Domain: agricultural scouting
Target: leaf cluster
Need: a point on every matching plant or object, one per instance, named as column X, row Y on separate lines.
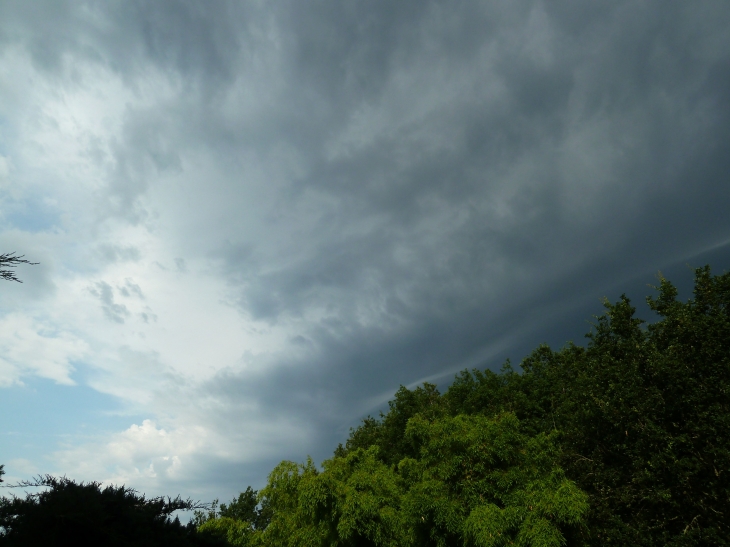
column 472, row 480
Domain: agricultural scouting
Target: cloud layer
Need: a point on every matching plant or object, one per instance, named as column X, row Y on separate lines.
column 255, row 221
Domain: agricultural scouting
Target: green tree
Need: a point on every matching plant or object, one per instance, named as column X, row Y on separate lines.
column 356, row 500
column 641, row 414
column 388, row 433
column 481, row 481
column 474, row 481
column 228, row 530
column 235, row 522
column 646, row 427
column 246, row 507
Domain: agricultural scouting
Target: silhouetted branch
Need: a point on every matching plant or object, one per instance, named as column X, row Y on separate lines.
column 165, row 505
column 9, row 261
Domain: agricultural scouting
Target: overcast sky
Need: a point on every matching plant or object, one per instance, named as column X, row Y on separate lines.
column 255, row 220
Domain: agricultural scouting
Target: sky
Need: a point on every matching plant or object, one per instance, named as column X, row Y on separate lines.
column 255, row 220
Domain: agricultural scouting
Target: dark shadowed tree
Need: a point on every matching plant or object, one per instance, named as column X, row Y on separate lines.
column 70, row 513
column 247, row 508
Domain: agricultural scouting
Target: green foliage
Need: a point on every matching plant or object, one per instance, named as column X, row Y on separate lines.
column 388, row 433
column 481, row 481
column 660, row 413
column 289, row 525
column 242, row 508
column 644, row 415
column 640, row 418
column 466, row 468
column 248, row 509
column 228, row 530
column 201, row 516
column 355, row 500
column 71, row 513
column 245, row 508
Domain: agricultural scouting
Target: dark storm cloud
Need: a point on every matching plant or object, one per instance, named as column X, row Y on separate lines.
column 471, row 177
column 521, row 161
column 498, row 165
column 188, row 37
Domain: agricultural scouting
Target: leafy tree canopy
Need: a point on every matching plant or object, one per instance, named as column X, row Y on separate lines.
column 474, row 480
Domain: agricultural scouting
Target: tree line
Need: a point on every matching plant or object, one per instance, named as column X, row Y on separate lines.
column 623, row 441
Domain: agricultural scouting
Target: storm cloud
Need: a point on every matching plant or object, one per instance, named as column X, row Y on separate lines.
column 292, row 208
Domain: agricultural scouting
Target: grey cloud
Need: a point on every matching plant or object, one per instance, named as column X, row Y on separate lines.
column 483, row 148
column 105, row 293
column 177, row 35
column 495, row 178
column 147, row 316
column 147, row 146
column 118, row 253
column 37, row 280
column 130, row 289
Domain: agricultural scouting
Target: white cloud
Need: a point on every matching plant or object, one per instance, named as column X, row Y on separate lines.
column 144, row 455
column 32, row 347
column 18, row 469
column 4, row 172
column 154, row 458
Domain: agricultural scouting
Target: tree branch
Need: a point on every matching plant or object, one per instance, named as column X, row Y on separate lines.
column 8, row 261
